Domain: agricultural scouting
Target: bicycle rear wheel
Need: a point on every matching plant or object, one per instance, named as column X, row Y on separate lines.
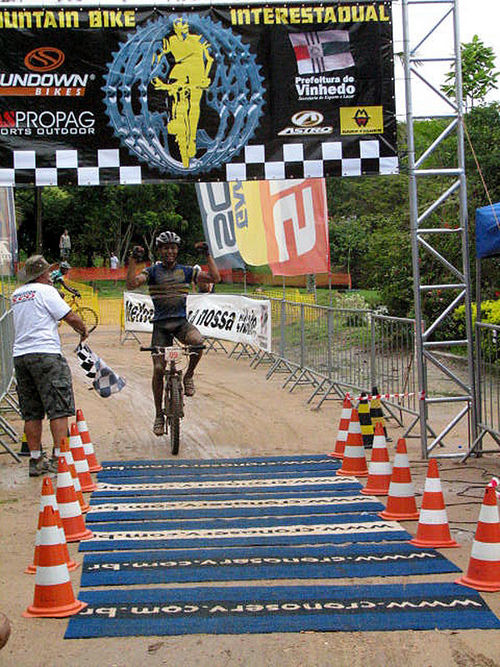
column 89, row 316
column 174, row 419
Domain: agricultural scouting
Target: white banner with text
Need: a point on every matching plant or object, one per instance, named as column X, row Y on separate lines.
column 229, row 317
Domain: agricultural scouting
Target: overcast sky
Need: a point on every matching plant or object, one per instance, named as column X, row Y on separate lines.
column 477, row 17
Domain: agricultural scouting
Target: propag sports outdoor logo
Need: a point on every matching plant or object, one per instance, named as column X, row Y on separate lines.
column 184, row 94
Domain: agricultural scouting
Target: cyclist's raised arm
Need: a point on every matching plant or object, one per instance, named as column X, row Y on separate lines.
column 213, row 275
column 135, row 279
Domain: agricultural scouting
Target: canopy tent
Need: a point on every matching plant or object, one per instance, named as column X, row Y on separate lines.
column 488, row 231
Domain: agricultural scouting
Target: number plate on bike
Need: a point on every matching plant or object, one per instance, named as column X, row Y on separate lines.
column 171, row 354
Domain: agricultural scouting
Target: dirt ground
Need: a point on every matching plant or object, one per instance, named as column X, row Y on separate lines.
column 236, row 412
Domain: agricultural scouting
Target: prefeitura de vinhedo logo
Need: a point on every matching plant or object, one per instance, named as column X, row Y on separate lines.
column 184, row 94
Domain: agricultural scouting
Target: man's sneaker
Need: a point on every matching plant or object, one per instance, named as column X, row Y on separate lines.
column 41, row 466
column 189, row 388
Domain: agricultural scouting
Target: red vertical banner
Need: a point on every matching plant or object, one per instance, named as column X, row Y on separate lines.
column 295, row 217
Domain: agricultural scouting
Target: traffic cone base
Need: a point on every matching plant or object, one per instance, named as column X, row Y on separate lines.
column 56, row 612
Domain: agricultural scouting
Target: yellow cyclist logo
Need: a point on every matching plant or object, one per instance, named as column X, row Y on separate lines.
column 187, row 79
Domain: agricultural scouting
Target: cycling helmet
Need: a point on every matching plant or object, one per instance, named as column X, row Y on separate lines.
column 168, row 237
column 65, row 265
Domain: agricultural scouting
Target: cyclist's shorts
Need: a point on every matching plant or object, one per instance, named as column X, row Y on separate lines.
column 184, row 331
column 44, row 386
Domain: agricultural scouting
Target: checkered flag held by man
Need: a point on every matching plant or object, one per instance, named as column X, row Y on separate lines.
column 105, row 380
column 87, row 360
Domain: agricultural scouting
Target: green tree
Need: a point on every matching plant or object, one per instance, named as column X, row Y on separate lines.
column 478, row 75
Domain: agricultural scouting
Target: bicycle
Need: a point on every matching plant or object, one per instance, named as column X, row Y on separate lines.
column 88, row 315
column 173, row 394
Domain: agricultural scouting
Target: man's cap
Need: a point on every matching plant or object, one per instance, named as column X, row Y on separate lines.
column 35, row 266
column 65, row 265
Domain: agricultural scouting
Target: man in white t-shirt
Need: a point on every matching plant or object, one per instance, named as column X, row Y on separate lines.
column 43, row 377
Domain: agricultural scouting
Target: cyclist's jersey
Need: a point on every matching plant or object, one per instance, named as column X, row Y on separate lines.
column 169, row 289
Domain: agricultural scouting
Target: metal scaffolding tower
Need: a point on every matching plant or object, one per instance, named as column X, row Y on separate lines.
column 429, row 227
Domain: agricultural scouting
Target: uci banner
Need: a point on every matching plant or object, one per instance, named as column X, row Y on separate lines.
column 138, row 94
column 228, row 317
column 280, row 223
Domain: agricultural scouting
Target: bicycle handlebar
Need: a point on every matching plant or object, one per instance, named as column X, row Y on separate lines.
column 186, row 349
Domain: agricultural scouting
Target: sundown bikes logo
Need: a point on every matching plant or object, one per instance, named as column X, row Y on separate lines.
column 42, row 77
column 184, row 94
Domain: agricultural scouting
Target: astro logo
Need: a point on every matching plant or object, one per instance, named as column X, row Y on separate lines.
column 44, row 59
column 306, row 122
column 184, row 94
column 307, row 118
column 361, row 118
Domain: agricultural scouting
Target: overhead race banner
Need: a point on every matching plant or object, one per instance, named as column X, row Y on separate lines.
column 228, row 317
column 94, row 96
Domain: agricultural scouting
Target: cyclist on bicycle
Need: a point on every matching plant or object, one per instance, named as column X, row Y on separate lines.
column 169, row 284
column 57, row 277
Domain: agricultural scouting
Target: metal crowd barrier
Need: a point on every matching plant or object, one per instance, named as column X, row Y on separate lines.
column 8, row 400
column 337, row 350
column 487, row 387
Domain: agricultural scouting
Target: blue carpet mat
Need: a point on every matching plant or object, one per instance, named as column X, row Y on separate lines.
column 199, row 467
column 124, row 499
column 206, row 509
column 136, row 486
column 242, row 610
column 333, row 529
column 325, row 562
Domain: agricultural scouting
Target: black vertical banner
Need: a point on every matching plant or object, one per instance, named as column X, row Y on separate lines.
column 123, row 95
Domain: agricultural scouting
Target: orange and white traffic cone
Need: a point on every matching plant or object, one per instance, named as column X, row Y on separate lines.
column 48, row 499
column 81, row 465
column 433, row 529
column 54, row 597
column 379, row 468
column 66, row 452
column 483, row 573
column 345, row 418
column 69, row 507
column 88, row 447
column 354, row 461
column 401, row 503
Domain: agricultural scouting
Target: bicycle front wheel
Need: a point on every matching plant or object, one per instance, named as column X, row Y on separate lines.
column 89, row 316
column 174, row 419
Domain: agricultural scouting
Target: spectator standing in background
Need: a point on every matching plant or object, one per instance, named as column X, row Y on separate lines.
column 65, row 245
column 114, row 262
